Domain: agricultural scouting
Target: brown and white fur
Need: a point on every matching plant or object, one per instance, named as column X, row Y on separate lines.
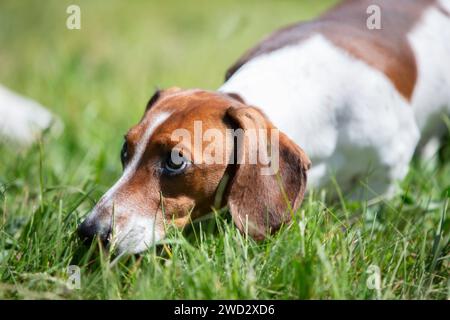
column 359, row 102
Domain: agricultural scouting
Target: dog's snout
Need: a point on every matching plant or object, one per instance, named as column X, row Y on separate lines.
column 88, row 230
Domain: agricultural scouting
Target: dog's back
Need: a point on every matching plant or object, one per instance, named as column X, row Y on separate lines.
column 356, row 98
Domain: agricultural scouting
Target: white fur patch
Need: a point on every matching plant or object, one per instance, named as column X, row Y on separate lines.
column 347, row 116
column 139, row 234
column 140, row 149
column 21, row 119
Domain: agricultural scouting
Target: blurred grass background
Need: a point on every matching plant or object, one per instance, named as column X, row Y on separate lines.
column 98, row 80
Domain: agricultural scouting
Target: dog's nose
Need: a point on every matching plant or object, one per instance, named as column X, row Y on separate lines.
column 88, row 230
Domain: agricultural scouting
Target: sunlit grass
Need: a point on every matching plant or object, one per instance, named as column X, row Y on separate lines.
column 98, row 80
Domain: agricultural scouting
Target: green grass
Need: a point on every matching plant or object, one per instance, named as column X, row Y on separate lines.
column 98, row 80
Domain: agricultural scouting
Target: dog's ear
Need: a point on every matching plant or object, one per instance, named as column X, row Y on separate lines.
column 155, row 97
column 235, row 96
column 158, row 94
column 260, row 202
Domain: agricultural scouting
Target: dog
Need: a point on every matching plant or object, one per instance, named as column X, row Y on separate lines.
column 355, row 102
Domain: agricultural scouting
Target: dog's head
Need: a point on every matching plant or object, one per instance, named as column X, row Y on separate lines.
column 193, row 151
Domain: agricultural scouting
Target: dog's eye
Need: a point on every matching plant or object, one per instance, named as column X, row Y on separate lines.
column 124, row 153
column 175, row 163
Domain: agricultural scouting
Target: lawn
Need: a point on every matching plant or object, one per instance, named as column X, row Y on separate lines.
column 98, row 80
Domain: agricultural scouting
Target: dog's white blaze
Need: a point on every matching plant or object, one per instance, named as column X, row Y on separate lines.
column 346, row 115
column 139, row 231
column 138, row 235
